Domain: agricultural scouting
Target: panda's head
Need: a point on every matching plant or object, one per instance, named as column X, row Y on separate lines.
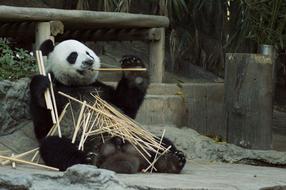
column 71, row 62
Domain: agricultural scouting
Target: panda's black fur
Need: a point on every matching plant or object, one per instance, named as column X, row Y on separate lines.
column 72, row 65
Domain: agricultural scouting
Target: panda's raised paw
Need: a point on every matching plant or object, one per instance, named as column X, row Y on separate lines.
column 131, row 61
column 136, row 77
column 39, row 84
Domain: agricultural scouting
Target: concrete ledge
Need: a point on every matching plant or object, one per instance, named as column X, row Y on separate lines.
column 159, row 109
column 197, row 105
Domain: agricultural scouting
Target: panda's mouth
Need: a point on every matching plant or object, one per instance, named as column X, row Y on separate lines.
column 81, row 72
column 84, row 71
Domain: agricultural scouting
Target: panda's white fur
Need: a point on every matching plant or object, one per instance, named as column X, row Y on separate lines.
column 77, row 73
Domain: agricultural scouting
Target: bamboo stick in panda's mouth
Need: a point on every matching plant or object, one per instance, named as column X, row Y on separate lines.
column 119, row 69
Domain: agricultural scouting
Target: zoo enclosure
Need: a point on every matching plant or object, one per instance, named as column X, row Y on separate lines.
column 205, row 106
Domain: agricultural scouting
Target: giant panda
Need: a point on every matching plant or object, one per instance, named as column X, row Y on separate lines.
column 72, row 65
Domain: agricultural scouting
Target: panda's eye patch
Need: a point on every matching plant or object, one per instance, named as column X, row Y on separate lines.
column 87, row 53
column 72, row 57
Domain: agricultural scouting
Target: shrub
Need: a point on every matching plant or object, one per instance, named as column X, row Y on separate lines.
column 15, row 63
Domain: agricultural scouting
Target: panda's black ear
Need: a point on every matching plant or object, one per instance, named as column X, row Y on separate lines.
column 47, row 47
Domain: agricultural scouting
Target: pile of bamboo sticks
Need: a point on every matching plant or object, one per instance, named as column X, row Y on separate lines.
column 101, row 118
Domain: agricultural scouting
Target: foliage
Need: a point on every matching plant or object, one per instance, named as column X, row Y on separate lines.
column 178, row 11
column 262, row 21
column 15, row 63
column 201, row 31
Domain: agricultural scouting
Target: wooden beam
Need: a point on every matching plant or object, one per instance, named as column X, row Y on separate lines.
column 248, row 100
column 156, row 57
column 83, row 19
column 27, row 29
column 15, row 29
column 153, row 34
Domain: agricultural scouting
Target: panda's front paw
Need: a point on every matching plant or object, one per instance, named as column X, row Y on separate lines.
column 134, row 77
column 39, row 84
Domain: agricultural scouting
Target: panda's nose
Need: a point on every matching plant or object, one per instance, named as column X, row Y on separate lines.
column 88, row 62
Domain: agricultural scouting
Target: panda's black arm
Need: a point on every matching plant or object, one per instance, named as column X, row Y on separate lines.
column 39, row 84
column 132, row 87
column 41, row 116
column 128, row 97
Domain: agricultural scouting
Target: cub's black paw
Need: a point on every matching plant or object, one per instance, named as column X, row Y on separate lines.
column 134, row 77
column 181, row 158
column 91, row 158
column 171, row 162
column 39, row 84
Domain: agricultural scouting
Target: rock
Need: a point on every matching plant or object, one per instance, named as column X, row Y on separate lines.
column 94, row 178
column 82, row 177
column 199, row 147
column 196, row 175
column 14, row 101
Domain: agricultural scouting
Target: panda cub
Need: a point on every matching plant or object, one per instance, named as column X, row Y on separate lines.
column 122, row 157
column 72, row 66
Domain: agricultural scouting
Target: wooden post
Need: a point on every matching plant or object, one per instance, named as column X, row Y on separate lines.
column 43, row 32
column 156, row 57
column 248, row 100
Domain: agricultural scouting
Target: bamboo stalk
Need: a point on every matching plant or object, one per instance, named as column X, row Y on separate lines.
column 35, row 156
column 20, row 155
column 13, row 163
column 80, row 146
column 155, row 160
column 29, row 163
column 158, row 149
column 52, row 130
column 41, row 71
column 120, row 69
column 55, row 110
column 78, row 121
column 47, row 94
column 90, row 128
column 143, row 156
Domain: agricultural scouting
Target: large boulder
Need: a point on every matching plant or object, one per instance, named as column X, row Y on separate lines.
column 14, row 104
